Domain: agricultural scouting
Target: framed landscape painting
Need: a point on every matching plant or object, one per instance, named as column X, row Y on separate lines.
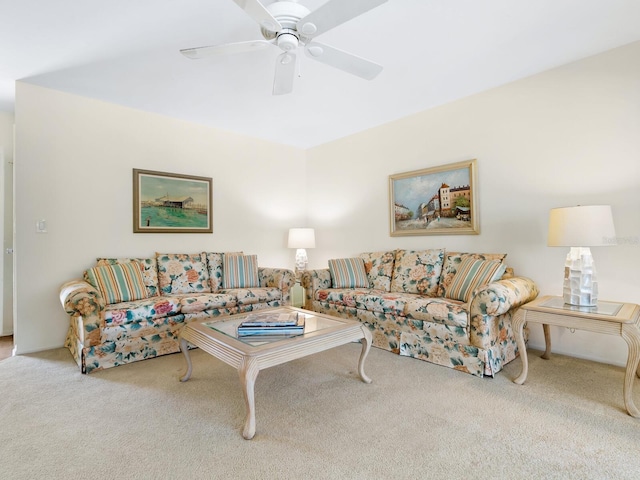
column 171, row 203
column 435, row 201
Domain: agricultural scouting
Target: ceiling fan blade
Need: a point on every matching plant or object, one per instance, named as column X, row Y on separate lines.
column 285, row 73
column 256, row 10
column 225, row 49
column 332, row 14
column 344, row 61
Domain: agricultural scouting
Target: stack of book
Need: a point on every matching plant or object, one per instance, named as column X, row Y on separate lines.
column 268, row 324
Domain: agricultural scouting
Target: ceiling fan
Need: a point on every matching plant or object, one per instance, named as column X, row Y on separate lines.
column 289, row 25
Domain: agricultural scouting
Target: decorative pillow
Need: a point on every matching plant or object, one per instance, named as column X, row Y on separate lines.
column 472, row 274
column 214, row 263
column 452, row 261
column 118, row 283
column 182, row 273
column 348, row 273
column 417, row 271
column 379, row 268
column 149, row 271
column 240, row 271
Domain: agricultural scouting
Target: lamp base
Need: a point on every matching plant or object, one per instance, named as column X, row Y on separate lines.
column 580, row 286
column 301, row 260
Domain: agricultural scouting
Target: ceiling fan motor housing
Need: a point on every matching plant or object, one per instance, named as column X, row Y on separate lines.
column 288, row 14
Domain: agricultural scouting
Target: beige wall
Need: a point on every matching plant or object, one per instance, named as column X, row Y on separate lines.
column 564, row 137
column 74, row 169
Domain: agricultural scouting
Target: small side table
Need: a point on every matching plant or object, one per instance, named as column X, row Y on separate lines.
column 622, row 319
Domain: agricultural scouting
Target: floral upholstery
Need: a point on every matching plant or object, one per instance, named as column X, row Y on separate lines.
column 105, row 335
column 474, row 337
column 182, row 273
column 417, row 271
column 379, row 268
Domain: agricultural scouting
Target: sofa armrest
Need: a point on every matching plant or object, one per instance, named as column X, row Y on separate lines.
column 494, row 300
column 80, row 299
column 280, row 278
column 312, row 281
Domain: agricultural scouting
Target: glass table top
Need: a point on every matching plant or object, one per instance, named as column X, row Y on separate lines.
column 602, row 308
column 312, row 323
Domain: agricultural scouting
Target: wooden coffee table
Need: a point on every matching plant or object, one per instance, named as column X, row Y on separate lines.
column 250, row 355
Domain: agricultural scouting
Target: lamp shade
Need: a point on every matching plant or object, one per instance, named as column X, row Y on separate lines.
column 302, row 238
column 581, row 226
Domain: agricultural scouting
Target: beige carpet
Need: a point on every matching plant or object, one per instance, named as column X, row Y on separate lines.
column 315, row 420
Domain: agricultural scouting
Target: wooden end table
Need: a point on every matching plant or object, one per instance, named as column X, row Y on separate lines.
column 249, row 355
column 622, row 319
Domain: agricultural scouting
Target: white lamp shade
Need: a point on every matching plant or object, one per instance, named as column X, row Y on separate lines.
column 581, row 226
column 302, row 238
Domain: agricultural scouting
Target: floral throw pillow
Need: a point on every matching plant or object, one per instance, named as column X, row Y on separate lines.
column 182, row 273
column 417, row 271
column 379, row 268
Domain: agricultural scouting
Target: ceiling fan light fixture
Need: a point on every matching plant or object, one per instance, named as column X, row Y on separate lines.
column 287, row 40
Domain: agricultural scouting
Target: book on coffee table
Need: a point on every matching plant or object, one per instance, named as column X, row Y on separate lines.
column 272, row 324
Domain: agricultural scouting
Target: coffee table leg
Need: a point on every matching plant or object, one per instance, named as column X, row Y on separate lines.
column 366, row 346
column 248, row 372
column 517, row 322
column 547, row 342
column 184, row 348
column 631, row 334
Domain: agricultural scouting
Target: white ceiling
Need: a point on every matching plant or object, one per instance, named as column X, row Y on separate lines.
column 433, row 52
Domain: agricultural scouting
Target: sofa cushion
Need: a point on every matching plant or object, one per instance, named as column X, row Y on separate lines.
column 206, row 301
column 348, row 273
column 180, row 273
column 379, row 268
column 471, row 274
column 251, row 296
column 118, row 283
column 452, row 261
column 240, row 271
column 148, row 309
column 383, row 302
column 417, row 271
column 438, row 310
column 214, row 266
column 149, row 271
column 341, row 296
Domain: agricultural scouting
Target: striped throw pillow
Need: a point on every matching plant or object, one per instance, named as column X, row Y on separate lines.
column 348, row 273
column 240, row 271
column 472, row 274
column 122, row 282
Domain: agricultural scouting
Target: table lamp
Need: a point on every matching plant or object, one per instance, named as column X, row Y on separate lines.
column 301, row 239
column 581, row 227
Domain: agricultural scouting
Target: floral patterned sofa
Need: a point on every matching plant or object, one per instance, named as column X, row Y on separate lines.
column 129, row 309
column 450, row 308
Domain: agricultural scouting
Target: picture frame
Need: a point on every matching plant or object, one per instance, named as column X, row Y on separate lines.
column 439, row 200
column 171, row 203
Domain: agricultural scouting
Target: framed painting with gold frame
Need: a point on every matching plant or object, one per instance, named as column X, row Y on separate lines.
column 434, row 201
column 171, row 203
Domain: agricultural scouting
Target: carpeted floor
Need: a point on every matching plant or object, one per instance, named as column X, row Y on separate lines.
column 315, row 420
